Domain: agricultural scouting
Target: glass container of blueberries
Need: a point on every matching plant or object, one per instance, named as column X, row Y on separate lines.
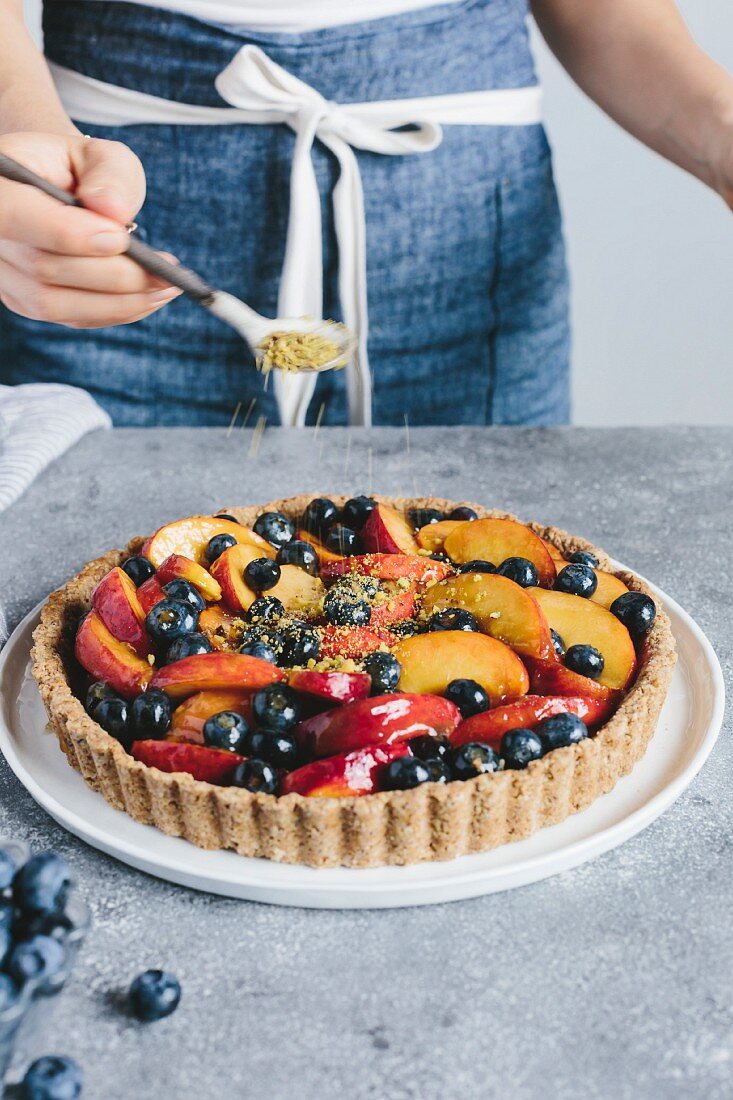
column 43, row 922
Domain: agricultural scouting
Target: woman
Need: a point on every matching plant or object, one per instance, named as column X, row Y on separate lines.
column 467, row 286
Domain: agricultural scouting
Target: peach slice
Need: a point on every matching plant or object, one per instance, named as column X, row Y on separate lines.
column 555, row 554
column 380, row 720
column 582, row 622
column 324, row 555
column 106, row 658
column 344, row 776
column 216, row 624
column 386, row 531
column 187, row 723
column 208, row 765
column 525, row 713
column 389, row 567
column 495, row 540
column 331, row 687
column 177, row 566
column 353, row 642
column 551, row 677
column 299, row 592
column 430, row 661
column 116, row 602
column 228, row 571
column 149, row 593
column 609, row 588
column 215, row 672
column 190, row 537
column 399, row 606
column 432, row 537
column 503, row 609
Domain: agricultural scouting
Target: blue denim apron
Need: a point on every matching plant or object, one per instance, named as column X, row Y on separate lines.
column 466, row 270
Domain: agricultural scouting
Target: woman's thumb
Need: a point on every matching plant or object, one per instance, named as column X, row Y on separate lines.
column 110, row 179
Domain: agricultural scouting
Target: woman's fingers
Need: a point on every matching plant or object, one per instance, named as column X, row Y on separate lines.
column 108, row 275
column 30, row 217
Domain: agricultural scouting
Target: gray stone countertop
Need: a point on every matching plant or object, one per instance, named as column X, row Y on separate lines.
column 614, row 980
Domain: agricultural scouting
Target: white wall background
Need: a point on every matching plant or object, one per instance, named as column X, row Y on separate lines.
column 651, row 252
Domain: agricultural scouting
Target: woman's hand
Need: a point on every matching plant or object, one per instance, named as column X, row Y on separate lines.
column 721, row 160
column 66, row 265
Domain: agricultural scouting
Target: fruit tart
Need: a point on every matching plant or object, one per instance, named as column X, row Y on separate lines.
column 356, row 682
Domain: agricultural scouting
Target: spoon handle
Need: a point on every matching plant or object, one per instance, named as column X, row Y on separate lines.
column 176, row 274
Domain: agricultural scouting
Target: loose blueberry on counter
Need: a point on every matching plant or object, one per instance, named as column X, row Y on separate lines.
column 558, row 643
column 584, row 557
column 357, row 510
column 300, row 553
column 151, row 714
column 138, row 569
column 52, row 1077
column 320, row 514
column 519, row 570
column 578, row 580
column 477, row 566
column 36, row 959
column 275, row 747
column 226, row 730
column 519, row 747
column 225, row 515
column 453, row 618
column 276, row 707
column 56, row 925
column 422, row 517
column 94, row 696
column 426, row 747
column 265, row 609
column 261, row 650
column 170, row 619
column 385, row 671
column 216, row 547
column 8, row 992
column 7, row 913
column 183, row 590
column 300, row 644
column 468, row 696
column 473, row 758
column 463, row 512
column 6, row 942
column 8, row 867
column 153, row 995
column 405, row 773
column 636, row 611
column 188, row 646
column 561, row 730
column 585, row 660
column 274, row 527
column 343, row 540
column 261, row 574
column 113, row 715
column 43, row 883
column 342, row 607
column 255, row 775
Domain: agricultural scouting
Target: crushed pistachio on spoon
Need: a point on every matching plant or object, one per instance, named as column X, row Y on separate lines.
column 296, row 351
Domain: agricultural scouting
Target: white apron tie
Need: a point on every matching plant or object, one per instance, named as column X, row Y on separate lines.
column 262, row 92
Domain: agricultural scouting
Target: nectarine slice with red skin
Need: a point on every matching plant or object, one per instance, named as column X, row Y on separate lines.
column 324, row 555
column 178, row 566
column 389, row 567
column 331, row 687
column 504, row 610
column 432, row 537
column 212, row 620
column 215, row 672
column 551, row 677
column 381, row 720
column 346, row 776
column 386, row 531
column 200, row 761
column 106, row 658
column 396, row 609
column 187, row 722
column 495, row 540
column 190, row 537
column 609, row 588
column 430, row 661
column 582, row 622
column 228, row 571
column 149, row 593
column 116, row 602
column 353, row 642
column 525, row 713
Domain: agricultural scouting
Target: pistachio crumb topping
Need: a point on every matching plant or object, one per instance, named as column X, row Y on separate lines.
column 296, row 351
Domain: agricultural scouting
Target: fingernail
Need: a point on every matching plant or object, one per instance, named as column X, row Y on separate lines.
column 109, row 241
column 165, row 295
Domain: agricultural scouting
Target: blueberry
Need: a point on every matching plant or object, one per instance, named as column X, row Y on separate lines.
column 343, row 607
column 463, row 512
column 370, row 586
column 385, row 671
column 436, row 555
column 274, row 527
column 468, row 696
column 558, row 643
column 8, row 992
column 356, row 511
column 585, row 660
column 561, row 730
column 343, row 540
column 151, row 714
column 300, row 644
column 8, row 867
column 578, row 580
column 52, row 1077
column 6, row 942
column 320, row 514
column 636, row 611
column 56, row 925
column 261, row 650
column 429, row 748
column 255, row 775
column 519, row 570
column 439, row 770
column 265, row 609
column 407, row 772
column 300, row 553
column 94, row 696
column 36, row 959
column 170, row 619
column 275, row 747
column 7, row 914
column 477, row 566
column 190, row 645
column 473, row 758
column 584, row 557
column 225, row 515
column 43, row 883
column 261, row 574
column 276, row 707
column 226, row 730
column 138, row 569
column 453, row 618
column 153, row 995
column 519, row 747
column 422, row 517
column 262, row 633
column 113, row 715
column 216, row 547
column 406, row 629
column 183, row 590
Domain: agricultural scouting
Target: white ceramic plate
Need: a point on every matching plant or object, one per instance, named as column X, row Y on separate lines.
column 687, row 731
